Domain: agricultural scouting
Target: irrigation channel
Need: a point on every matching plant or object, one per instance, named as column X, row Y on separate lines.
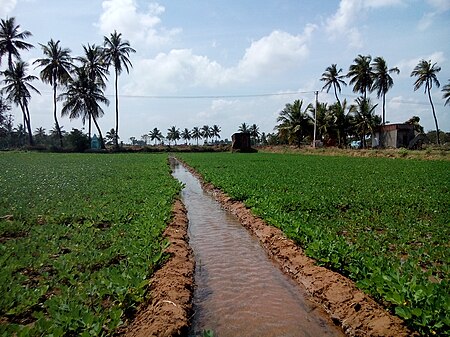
column 239, row 290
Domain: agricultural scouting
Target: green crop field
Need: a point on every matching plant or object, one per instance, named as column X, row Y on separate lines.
column 79, row 236
column 383, row 222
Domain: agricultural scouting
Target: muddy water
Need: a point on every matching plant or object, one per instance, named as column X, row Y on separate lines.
column 239, row 291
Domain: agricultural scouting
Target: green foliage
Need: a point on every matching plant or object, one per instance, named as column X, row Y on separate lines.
column 382, row 222
column 79, row 237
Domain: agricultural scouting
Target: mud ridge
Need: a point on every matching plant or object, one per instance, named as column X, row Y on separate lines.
column 171, row 287
column 350, row 308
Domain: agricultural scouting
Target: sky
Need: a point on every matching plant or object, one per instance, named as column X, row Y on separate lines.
column 206, row 62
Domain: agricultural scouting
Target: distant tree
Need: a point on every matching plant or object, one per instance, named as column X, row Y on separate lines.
column 82, row 98
column 382, row 81
column 40, row 135
column 94, row 64
column 173, row 133
column 332, row 78
column 156, row 135
column 426, row 73
column 116, row 53
column 57, row 65
column 340, row 121
column 17, row 89
column 361, row 75
column 11, row 40
column 196, row 133
column 446, row 91
column 244, row 128
column 254, row 133
column 132, row 140
column 215, row 132
column 206, row 132
column 365, row 120
column 415, row 121
column 186, row 135
column 78, row 140
column 294, row 122
column 111, row 136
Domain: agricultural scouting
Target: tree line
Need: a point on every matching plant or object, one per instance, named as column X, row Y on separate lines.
column 338, row 122
column 82, row 79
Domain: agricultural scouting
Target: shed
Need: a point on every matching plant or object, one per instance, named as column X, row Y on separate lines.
column 393, row 135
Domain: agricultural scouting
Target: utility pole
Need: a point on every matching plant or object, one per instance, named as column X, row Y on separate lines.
column 315, row 117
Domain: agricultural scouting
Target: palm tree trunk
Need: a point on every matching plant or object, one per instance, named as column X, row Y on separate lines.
column 335, row 93
column 384, row 109
column 54, row 114
column 102, row 142
column 30, row 135
column 116, row 140
column 434, row 116
column 90, row 127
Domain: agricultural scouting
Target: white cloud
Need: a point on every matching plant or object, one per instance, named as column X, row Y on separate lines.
column 6, row 7
column 181, row 68
column 342, row 23
column 439, row 7
column 136, row 26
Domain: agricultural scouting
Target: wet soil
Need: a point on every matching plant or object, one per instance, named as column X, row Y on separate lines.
column 171, row 287
column 169, row 310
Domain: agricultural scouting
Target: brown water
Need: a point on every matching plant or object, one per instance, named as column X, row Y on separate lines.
column 239, row 290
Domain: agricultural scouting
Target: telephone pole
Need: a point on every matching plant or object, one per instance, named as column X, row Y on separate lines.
column 315, row 117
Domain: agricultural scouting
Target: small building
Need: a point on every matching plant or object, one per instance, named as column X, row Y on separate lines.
column 241, row 142
column 394, row 136
column 95, row 143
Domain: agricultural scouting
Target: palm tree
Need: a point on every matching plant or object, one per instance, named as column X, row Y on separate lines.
column 340, row 121
column 360, row 74
column 365, row 121
column 111, row 136
column 331, row 77
column 155, row 135
column 295, row 123
column 94, row 64
column 206, row 132
column 82, row 98
column 382, row 81
column 40, row 135
column 57, row 66
column 116, row 53
column 186, row 135
column 173, row 134
column 215, row 131
column 243, row 128
column 254, row 133
column 196, row 133
column 11, row 40
column 446, row 91
column 17, row 88
column 426, row 73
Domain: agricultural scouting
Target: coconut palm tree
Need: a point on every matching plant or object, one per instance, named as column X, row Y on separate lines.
column 11, row 40
column 94, row 64
column 196, row 133
column 206, row 132
column 331, row 78
column 111, row 136
column 17, row 89
column 82, row 98
column 57, row 66
column 186, row 135
column 382, row 81
column 361, row 75
column 446, row 91
column 364, row 118
column 215, row 131
column 340, row 121
column 244, row 128
column 116, row 53
column 173, row 134
column 295, row 123
column 254, row 132
column 426, row 73
column 155, row 135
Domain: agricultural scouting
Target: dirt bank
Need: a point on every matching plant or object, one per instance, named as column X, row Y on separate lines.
column 171, row 287
column 350, row 308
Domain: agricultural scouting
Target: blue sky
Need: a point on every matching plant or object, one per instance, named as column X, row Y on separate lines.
column 224, row 49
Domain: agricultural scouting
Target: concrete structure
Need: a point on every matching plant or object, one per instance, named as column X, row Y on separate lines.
column 393, row 135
